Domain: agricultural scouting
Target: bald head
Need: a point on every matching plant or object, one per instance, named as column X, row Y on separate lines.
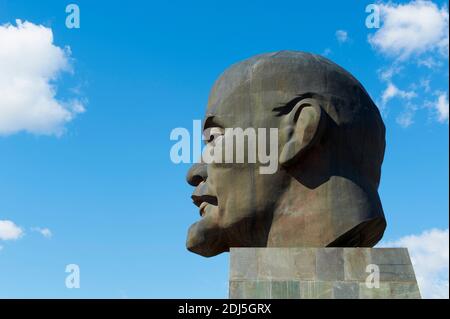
column 331, row 146
column 273, row 83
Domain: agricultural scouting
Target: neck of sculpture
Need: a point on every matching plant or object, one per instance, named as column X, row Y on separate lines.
column 320, row 210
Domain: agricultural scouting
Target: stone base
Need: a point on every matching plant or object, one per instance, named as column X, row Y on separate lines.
column 321, row 273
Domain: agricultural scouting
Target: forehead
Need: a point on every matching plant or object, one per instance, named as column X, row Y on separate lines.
column 245, row 109
column 238, row 98
column 268, row 76
column 247, row 92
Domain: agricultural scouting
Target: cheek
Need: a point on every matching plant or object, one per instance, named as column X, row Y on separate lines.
column 241, row 192
column 231, row 180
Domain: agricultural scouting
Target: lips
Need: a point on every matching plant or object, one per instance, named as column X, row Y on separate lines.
column 202, row 208
column 202, row 201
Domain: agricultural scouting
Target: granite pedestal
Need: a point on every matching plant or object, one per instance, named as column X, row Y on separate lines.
column 322, row 273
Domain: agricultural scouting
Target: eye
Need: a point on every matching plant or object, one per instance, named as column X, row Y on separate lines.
column 213, row 133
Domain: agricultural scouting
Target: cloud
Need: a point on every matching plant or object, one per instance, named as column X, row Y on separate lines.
column 30, row 65
column 429, row 62
column 387, row 73
column 393, row 91
column 429, row 256
column 440, row 106
column 342, row 36
column 9, row 230
column 43, row 231
column 413, row 35
column 410, row 29
column 405, row 119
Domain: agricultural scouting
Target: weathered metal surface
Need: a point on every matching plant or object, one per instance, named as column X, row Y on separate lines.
column 330, row 149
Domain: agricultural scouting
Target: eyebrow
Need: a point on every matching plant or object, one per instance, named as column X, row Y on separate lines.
column 287, row 107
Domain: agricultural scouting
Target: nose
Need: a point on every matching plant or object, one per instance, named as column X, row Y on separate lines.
column 197, row 174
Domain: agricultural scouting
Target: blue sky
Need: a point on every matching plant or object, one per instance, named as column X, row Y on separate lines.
column 102, row 181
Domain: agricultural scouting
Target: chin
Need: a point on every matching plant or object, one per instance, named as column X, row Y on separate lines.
column 205, row 241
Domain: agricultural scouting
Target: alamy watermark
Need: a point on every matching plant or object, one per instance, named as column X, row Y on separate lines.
column 73, row 17
column 73, row 278
column 373, row 280
column 373, row 19
column 226, row 145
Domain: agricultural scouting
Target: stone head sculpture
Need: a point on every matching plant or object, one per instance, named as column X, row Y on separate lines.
column 330, row 147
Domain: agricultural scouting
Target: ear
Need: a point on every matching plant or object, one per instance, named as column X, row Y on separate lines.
column 302, row 128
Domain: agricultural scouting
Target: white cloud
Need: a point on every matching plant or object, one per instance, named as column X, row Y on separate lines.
column 412, row 34
column 387, row 73
column 30, row 64
column 405, row 119
column 429, row 256
column 342, row 36
column 393, row 91
column 43, row 231
column 410, row 29
column 9, row 230
column 429, row 62
column 440, row 106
